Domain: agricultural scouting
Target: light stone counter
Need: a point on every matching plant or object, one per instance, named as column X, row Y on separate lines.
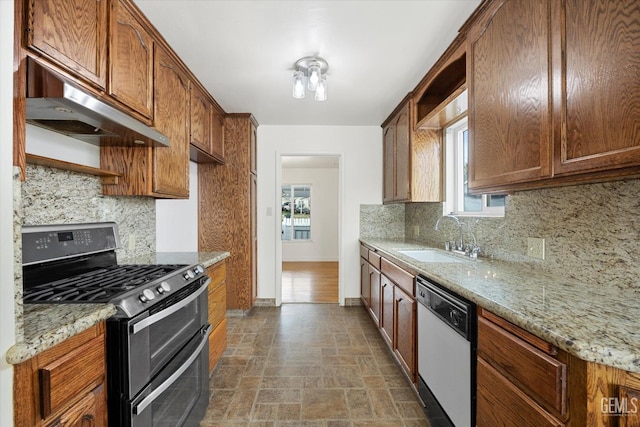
column 205, row 258
column 593, row 322
column 44, row 325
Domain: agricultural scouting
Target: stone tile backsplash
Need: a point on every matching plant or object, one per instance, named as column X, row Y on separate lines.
column 54, row 196
column 591, row 231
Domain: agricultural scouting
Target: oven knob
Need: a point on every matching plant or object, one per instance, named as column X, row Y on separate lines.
column 188, row 275
column 164, row 287
column 148, row 295
column 142, row 298
column 198, row 269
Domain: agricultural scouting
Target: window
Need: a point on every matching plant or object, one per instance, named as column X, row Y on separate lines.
column 296, row 212
column 458, row 199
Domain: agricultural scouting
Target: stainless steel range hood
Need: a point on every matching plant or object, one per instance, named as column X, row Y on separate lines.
column 57, row 105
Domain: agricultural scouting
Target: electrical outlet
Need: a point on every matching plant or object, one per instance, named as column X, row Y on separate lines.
column 535, row 247
column 416, row 230
column 132, row 242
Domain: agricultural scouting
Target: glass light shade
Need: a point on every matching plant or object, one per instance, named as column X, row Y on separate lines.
column 298, row 85
column 314, row 75
column 321, row 89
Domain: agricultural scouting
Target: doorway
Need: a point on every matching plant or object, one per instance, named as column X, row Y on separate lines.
column 309, row 209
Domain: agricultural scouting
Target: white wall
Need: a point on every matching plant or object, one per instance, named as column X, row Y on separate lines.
column 7, row 316
column 360, row 182
column 177, row 220
column 324, row 215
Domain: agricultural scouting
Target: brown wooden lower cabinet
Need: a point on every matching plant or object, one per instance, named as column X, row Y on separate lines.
column 217, row 294
column 65, row 385
column 386, row 309
column 374, row 282
column 501, row 403
column 404, row 320
column 387, row 292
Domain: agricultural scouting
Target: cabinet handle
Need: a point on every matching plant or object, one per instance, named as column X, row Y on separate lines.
column 136, row 31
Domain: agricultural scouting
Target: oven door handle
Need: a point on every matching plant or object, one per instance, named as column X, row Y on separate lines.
column 137, row 410
column 170, row 310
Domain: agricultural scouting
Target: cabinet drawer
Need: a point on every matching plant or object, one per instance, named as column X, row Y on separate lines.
column 66, row 377
column 500, row 403
column 364, row 252
column 374, row 259
column 217, row 305
column 541, row 376
column 217, row 343
column 401, row 278
column 217, row 273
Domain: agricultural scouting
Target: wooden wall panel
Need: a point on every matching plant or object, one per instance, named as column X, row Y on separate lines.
column 427, row 150
column 225, row 209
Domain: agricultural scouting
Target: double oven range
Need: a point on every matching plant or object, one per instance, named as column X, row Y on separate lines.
column 157, row 352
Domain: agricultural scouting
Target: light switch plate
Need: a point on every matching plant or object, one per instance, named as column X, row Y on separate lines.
column 535, row 247
column 416, row 230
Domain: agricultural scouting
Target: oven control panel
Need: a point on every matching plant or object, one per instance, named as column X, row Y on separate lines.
column 53, row 242
column 161, row 291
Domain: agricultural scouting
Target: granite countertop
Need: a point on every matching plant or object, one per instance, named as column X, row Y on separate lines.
column 45, row 325
column 595, row 323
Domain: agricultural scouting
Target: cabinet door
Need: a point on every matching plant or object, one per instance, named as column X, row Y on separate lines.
column 200, row 123
column 500, row 403
column 171, row 164
column 88, row 412
column 388, row 143
column 630, row 397
column 365, row 284
column 386, row 309
column 402, row 190
column 510, row 97
column 405, row 331
column 130, row 60
column 217, row 135
column 602, row 113
column 374, row 280
column 73, row 34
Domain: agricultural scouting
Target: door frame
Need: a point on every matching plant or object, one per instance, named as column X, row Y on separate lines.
column 278, row 221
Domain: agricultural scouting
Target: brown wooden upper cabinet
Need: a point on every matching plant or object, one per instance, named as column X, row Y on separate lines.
column 397, row 158
column 200, row 120
column 206, row 128
column 72, row 34
column 157, row 171
column 130, row 59
column 542, row 111
column 412, row 159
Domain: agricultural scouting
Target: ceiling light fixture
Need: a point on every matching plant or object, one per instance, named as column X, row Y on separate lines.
column 310, row 71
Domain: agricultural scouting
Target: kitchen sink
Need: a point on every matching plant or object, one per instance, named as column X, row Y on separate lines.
column 429, row 255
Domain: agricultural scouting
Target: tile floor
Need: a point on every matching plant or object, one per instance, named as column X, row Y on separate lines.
column 309, row 365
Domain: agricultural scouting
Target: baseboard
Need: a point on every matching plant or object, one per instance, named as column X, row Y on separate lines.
column 264, row 302
column 238, row 312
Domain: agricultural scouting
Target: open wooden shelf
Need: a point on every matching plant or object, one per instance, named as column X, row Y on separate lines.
column 107, row 177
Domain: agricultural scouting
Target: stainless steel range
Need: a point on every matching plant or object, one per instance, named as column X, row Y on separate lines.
column 157, row 352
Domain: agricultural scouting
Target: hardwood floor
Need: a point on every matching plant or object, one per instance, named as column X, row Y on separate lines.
column 310, row 282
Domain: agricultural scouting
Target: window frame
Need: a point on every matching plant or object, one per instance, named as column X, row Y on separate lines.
column 291, row 201
column 454, row 174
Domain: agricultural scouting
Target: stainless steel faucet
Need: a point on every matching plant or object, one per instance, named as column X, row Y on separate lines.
column 470, row 250
column 460, row 243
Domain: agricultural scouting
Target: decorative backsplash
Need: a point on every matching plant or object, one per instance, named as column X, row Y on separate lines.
column 54, row 196
column 591, row 231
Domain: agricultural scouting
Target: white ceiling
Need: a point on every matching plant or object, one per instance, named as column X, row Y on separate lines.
column 243, row 52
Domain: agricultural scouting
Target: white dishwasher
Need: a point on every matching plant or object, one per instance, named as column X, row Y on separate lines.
column 447, row 351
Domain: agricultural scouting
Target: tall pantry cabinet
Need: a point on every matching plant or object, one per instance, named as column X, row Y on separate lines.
column 226, row 212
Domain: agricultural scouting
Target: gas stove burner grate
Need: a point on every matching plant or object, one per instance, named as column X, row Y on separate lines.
column 98, row 286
